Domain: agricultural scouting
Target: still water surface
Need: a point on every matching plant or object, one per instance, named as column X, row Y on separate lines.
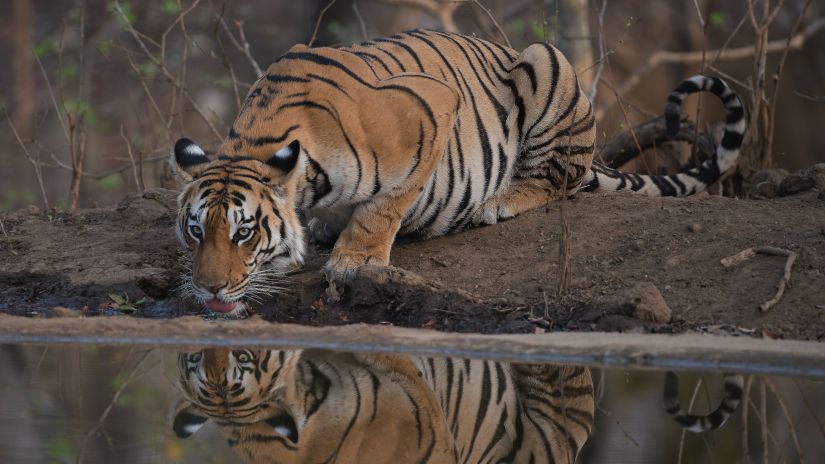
column 132, row 405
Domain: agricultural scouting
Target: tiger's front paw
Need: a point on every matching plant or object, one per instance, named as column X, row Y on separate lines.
column 490, row 213
column 342, row 269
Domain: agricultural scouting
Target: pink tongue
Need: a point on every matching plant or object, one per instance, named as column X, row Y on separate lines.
column 219, row 306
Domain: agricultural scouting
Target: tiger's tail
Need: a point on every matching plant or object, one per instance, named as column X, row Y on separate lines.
column 601, row 178
column 713, row 420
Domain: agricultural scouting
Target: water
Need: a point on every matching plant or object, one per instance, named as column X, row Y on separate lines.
column 97, row 403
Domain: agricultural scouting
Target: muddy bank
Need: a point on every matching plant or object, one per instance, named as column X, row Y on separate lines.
column 494, row 279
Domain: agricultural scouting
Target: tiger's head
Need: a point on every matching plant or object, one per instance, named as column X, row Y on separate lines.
column 237, row 216
column 235, row 388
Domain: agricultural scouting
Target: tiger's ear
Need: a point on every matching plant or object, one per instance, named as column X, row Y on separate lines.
column 286, row 158
column 284, row 425
column 187, row 160
column 188, row 420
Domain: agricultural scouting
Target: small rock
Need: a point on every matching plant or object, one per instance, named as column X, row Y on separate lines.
column 804, row 180
column 765, row 183
column 796, row 183
column 701, row 195
column 32, row 210
column 695, row 227
column 60, row 311
column 647, row 303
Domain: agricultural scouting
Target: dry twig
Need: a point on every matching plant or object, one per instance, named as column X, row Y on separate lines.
column 38, row 172
column 138, row 172
column 8, row 239
column 102, row 419
column 749, row 253
column 240, row 42
column 318, row 22
column 791, row 426
column 360, row 19
column 695, row 394
column 812, row 98
column 594, row 86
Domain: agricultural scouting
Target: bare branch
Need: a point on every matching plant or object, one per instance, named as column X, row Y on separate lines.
column 668, row 57
column 360, row 19
column 594, row 87
column 318, row 22
column 240, row 43
column 176, row 82
column 138, row 178
column 35, row 164
column 812, row 98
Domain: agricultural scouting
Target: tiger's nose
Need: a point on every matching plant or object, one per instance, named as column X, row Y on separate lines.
column 216, row 288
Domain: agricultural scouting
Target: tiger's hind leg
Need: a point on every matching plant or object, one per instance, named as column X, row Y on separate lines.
column 556, row 132
column 519, row 197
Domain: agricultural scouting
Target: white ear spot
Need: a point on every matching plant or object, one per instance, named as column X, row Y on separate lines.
column 192, row 428
column 284, row 153
column 194, row 150
column 282, row 431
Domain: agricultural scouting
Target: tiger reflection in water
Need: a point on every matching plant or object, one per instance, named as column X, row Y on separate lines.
column 312, row 406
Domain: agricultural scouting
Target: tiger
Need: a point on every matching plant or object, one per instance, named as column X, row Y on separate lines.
column 732, row 396
column 323, row 406
column 421, row 133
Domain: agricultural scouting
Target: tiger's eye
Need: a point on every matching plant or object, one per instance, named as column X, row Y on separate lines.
column 244, row 232
column 195, row 357
column 243, row 357
column 196, row 231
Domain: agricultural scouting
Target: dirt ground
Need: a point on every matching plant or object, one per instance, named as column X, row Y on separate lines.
column 496, row 279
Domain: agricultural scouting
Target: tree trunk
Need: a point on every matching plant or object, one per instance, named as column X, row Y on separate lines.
column 23, row 67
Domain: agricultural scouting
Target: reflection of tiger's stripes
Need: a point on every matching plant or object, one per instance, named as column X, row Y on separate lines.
column 302, row 406
column 500, row 412
column 732, row 396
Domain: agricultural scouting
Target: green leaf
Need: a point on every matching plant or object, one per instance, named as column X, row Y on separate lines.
column 117, row 298
column 169, row 7
column 60, row 450
column 119, row 18
column 110, row 182
column 717, row 18
column 104, row 47
column 538, row 30
column 148, row 69
column 45, row 47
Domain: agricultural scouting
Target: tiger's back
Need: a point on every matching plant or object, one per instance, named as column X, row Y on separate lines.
column 504, row 110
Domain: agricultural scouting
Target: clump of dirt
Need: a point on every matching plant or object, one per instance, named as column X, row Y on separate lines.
column 500, row 278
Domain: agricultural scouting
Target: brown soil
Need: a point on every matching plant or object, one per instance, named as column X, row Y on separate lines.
column 501, row 278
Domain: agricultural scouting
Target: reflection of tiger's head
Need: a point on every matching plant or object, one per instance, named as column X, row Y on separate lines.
column 234, row 387
column 237, row 216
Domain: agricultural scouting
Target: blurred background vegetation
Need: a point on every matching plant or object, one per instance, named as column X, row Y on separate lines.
column 95, row 92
